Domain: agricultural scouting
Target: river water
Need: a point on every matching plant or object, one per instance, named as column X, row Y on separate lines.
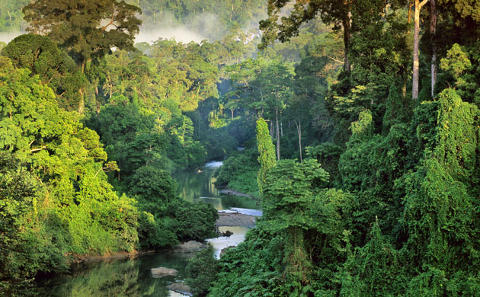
column 132, row 277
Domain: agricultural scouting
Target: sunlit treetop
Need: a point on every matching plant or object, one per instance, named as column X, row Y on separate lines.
column 87, row 29
column 42, row 57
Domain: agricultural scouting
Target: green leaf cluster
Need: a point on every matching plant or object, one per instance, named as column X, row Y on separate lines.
column 266, row 152
column 88, row 30
column 399, row 216
column 202, row 271
column 239, row 172
column 64, row 205
column 42, row 57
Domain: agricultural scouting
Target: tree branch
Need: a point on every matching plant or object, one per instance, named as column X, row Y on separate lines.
column 107, row 25
column 423, row 3
column 38, row 149
column 335, row 60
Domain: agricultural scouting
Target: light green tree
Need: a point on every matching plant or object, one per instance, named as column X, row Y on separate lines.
column 266, row 151
column 76, row 204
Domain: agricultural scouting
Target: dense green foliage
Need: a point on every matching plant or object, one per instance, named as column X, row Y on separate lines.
column 42, row 56
column 239, row 172
column 87, row 29
column 56, row 200
column 366, row 191
column 266, row 153
column 398, row 215
column 201, row 272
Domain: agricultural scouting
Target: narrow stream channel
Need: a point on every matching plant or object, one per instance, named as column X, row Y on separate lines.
column 199, row 187
column 132, row 277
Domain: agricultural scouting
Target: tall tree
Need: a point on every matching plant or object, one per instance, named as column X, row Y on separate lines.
column 275, row 82
column 416, row 41
column 87, row 29
column 42, row 57
column 433, row 39
column 296, row 207
column 338, row 13
column 266, row 151
column 266, row 87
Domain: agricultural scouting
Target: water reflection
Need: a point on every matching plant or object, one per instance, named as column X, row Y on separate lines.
column 199, row 186
column 130, row 277
column 193, row 185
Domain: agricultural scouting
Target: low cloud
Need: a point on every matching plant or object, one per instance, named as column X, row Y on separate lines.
column 180, row 34
column 205, row 26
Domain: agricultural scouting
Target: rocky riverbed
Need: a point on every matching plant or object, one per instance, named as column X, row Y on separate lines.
column 235, row 219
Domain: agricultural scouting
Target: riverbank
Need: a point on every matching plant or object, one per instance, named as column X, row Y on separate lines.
column 88, row 259
column 226, row 218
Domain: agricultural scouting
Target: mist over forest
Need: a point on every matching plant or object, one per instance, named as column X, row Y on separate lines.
column 203, row 20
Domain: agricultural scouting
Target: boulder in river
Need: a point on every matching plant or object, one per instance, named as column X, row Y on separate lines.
column 227, row 233
column 190, row 247
column 181, row 288
column 163, row 272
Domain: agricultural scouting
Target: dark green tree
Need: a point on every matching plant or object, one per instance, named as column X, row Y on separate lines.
column 283, row 28
column 54, row 66
column 202, row 272
column 88, row 30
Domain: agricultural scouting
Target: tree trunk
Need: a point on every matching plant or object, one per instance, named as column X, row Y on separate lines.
column 298, row 263
column 416, row 41
column 410, row 6
column 81, row 104
column 346, row 23
column 270, row 124
column 278, row 133
column 299, row 133
column 433, row 36
column 409, row 21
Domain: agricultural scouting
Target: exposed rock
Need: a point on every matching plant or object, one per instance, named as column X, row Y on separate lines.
column 180, row 288
column 190, row 247
column 235, row 219
column 227, row 233
column 163, row 272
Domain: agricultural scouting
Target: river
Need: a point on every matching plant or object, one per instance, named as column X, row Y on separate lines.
column 132, row 277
